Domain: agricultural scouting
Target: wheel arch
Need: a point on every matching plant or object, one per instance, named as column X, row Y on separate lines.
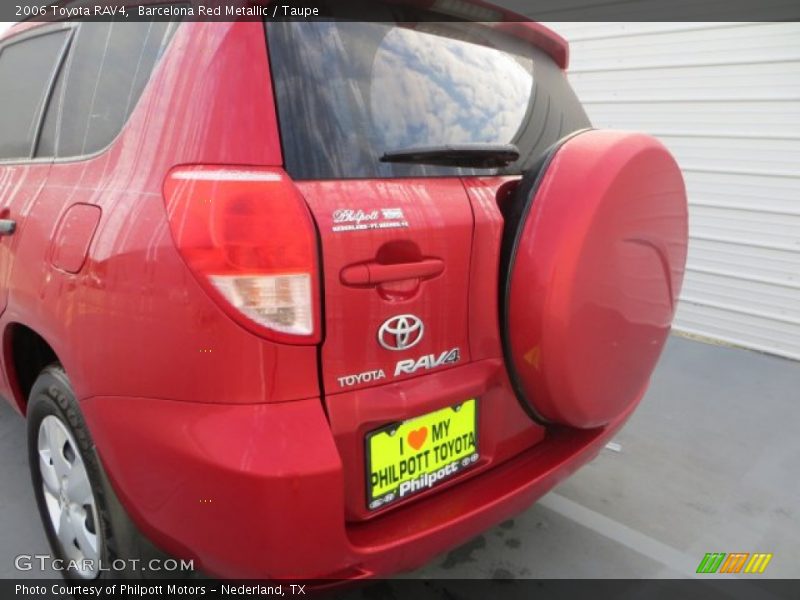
column 26, row 353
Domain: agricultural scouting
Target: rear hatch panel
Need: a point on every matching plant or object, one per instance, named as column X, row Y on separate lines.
column 396, row 265
column 410, row 251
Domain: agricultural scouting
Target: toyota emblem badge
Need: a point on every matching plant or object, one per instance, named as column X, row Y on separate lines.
column 401, row 332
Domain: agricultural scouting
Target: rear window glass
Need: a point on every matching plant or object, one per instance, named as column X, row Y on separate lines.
column 349, row 91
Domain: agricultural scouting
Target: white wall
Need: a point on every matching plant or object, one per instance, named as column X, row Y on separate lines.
column 725, row 98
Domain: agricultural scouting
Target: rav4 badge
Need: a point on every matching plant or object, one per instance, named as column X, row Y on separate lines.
column 403, row 367
column 429, row 361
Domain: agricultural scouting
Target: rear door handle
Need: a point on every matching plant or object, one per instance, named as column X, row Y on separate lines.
column 7, row 226
column 372, row 273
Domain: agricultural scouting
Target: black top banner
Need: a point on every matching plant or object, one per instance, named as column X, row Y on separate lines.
column 421, row 10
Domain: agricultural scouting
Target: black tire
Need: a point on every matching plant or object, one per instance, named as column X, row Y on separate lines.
column 52, row 395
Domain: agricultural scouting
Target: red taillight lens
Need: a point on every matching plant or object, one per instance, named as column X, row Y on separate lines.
column 248, row 237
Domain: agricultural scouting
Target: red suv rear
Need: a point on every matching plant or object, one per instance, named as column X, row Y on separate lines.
column 317, row 299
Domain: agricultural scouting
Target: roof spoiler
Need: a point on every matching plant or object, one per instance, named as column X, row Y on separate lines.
column 541, row 37
column 503, row 20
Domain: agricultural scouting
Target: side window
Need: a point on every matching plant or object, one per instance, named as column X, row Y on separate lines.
column 27, row 68
column 107, row 70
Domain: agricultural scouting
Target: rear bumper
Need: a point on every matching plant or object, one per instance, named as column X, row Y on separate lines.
column 257, row 491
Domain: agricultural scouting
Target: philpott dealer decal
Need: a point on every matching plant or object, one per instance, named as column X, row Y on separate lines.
column 348, row 219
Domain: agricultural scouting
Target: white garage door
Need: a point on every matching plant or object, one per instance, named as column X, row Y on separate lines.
column 725, row 98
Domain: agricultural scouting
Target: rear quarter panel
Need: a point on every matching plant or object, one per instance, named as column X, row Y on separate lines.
column 133, row 321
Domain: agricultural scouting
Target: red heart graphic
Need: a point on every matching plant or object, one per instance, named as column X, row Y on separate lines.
column 417, row 438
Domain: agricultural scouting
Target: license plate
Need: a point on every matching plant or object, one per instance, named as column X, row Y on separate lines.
column 404, row 459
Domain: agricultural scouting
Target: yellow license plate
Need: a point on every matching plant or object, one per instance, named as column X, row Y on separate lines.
column 407, row 458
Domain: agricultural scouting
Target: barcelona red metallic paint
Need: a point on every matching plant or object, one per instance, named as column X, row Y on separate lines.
column 73, row 236
column 484, row 195
column 596, row 277
column 224, row 443
column 134, row 321
column 276, row 488
column 20, row 185
column 439, row 227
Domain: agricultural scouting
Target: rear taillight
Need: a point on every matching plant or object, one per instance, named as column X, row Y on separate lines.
column 248, row 237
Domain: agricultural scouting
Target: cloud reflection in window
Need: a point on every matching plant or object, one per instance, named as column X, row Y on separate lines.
column 432, row 90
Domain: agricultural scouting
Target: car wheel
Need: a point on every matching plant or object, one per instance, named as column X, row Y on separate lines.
column 66, row 477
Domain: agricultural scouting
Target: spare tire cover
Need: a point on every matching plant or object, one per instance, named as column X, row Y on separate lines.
column 593, row 260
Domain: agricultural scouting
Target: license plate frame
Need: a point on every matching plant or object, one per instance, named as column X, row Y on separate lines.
column 427, row 465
